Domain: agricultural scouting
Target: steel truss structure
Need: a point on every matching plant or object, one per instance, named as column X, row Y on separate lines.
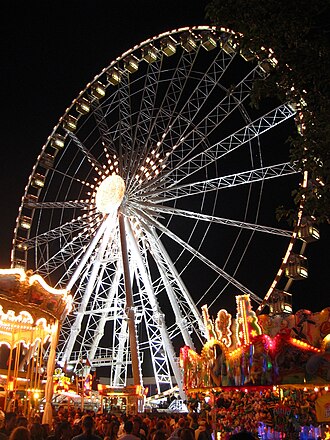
column 199, row 167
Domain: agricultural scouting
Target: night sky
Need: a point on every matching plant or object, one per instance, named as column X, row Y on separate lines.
column 50, row 51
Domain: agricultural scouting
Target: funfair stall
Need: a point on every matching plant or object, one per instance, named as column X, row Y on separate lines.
column 286, row 356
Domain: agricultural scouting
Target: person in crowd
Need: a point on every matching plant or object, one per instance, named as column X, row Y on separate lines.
column 206, row 432
column 201, row 428
column 159, row 435
column 22, row 421
column 128, row 431
column 186, row 434
column 63, row 431
column 88, row 427
column 20, row 433
column 138, row 430
column 9, row 425
column 37, row 432
column 112, row 430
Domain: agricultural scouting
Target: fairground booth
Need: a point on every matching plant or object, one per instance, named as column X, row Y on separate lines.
column 31, row 313
column 283, row 356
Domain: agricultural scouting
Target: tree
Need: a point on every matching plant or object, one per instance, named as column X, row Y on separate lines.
column 298, row 33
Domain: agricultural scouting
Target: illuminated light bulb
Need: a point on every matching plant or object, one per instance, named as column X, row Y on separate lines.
column 110, row 194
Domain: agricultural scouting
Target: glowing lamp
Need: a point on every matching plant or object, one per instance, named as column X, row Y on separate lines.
column 57, row 141
column 188, row 41
column 83, row 106
column 20, row 264
column 297, row 267
column 20, row 244
column 98, row 90
column 268, row 64
column 307, row 231
column 208, row 41
column 38, row 181
column 230, row 45
column 149, row 53
column 110, row 194
column 70, row 123
column 25, row 222
column 168, row 46
column 114, row 76
column 131, row 64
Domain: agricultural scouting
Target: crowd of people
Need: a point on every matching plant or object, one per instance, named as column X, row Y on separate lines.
column 70, row 424
column 233, row 415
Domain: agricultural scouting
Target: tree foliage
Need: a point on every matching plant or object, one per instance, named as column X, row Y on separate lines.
column 298, row 33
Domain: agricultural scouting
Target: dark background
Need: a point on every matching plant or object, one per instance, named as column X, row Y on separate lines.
column 50, row 51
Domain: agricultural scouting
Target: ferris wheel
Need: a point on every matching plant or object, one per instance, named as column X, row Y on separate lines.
column 154, row 194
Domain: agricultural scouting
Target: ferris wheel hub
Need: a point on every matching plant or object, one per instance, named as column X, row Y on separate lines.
column 110, row 194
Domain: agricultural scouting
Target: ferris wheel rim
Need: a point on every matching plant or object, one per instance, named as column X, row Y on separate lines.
column 132, row 51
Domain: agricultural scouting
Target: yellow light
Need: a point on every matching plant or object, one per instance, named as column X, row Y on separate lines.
column 168, row 46
column 70, row 123
column 110, row 194
column 114, row 76
column 83, row 106
column 98, row 90
column 131, row 63
column 57, row 141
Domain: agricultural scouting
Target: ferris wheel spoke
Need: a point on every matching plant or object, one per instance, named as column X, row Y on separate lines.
column 125, row 134
column 145, row 116
column 107, row 224
column 94, row 162
column 161, row 128
column 188, row 143
column 103, row 128
column 83, row 204
column 64, row 231
column 198, row 255
column 60, row 260
column 224, row 182
column 241, row 137
column 213, row 219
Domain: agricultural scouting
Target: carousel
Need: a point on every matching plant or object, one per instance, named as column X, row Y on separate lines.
column 31, row 313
